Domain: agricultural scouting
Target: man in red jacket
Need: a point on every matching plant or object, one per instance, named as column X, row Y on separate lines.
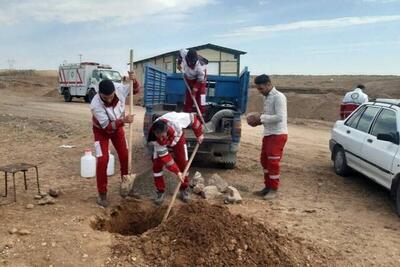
column 194, row 69
column 167, row 132
column 108, row 109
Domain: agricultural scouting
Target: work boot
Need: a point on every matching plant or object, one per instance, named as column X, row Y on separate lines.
column 271, row 194
column 184, row 195
column 262, row 192
column 160, row 198
column 102, row 200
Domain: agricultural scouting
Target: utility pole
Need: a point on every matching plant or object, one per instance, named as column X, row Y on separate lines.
column 11, row 64
column 80, row 58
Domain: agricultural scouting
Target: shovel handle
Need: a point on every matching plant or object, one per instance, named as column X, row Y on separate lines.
column 179, row 184
column 130, row 113
column 195, row 103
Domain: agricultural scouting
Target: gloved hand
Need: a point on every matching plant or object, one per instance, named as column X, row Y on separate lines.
column 200, row 139
column 131, row 75
column 128, row 119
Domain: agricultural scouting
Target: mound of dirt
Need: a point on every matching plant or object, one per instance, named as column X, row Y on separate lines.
column 52, row 93
column 201, row 234
column 319, row 97
column 28, row 82
column 304, row 106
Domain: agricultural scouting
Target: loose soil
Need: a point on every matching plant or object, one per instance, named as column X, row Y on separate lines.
column 201, row 234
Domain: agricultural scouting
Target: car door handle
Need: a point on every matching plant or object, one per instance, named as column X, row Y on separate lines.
column 369, row 140
column 348, row 131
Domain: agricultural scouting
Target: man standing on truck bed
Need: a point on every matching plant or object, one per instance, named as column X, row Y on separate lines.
column 167, row 132
column 194, row 69
column 108, row 109
column 274, row 119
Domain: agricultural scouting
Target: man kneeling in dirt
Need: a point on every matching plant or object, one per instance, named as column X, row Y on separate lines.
column 108, row 109
column 167, row 132
column 274, row 119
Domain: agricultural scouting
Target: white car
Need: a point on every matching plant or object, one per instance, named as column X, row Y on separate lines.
column 368, row 142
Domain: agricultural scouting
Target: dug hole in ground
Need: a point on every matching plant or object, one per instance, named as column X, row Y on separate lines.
column 201, row 234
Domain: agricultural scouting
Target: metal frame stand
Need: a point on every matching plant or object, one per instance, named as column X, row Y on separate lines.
column 14, row 168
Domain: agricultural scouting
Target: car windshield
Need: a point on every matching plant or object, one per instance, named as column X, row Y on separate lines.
column 111, row 75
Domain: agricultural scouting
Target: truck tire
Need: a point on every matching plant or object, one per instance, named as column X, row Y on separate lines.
column 229, row 160
column 340, row 162
column 90, row 95
column 67, row 95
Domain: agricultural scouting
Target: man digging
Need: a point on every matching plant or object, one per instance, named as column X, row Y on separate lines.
column 167, row 132
column 274, row 119
column 108, row 109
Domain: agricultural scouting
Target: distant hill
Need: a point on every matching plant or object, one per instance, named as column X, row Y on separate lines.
column 318, row 97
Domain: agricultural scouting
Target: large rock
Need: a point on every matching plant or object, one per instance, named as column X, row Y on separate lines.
column 196, row 179
column 29, row 206
column 233, row 196
column 13, row 231
column 198, row 188
column 24, row 232
column 210, row 192
column 54, row 192
column 219, row 182
column 48, row 200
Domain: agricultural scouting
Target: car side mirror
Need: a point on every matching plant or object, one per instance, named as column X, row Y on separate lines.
column 393, row 138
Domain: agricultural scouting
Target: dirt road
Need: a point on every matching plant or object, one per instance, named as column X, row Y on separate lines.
column 353, row 216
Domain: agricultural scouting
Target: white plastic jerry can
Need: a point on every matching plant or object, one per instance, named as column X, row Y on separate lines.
column 111, row 164
column 88, row 164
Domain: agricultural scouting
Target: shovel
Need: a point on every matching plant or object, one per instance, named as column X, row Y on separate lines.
column 128, row 180
column 180, row 182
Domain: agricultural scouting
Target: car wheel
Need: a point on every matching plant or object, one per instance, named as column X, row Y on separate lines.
column 340, row 162
column 67, row 96
column 90, row 95
column 229, row 160
column 229, row 165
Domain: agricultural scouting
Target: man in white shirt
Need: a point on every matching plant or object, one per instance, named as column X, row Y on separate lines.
column 108, row 109
column 274, row 119
column 352, row 100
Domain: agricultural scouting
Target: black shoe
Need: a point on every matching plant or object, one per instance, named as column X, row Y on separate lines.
column 102, row 200
column 262, row 192
column 160, row 198
column 184, row 195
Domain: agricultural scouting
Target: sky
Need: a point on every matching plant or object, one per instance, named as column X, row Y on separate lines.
column 279, row 36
